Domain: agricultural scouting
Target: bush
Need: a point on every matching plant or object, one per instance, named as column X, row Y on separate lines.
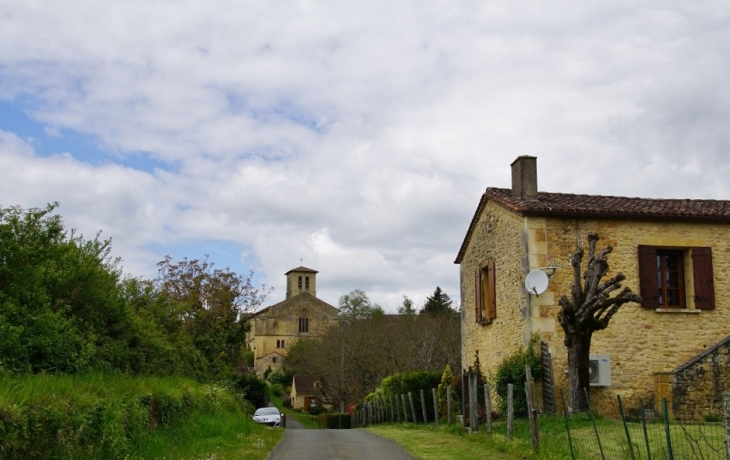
column 512, row 370
column 253, row 388
column 335, row 421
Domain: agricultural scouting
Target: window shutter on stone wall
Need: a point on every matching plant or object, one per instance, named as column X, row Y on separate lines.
column 648, row 277
column 478, row 295
column 703, row 278
column 491, row 291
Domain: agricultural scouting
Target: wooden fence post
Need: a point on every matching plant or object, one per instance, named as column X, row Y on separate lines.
column 473, row 403
column 405, row 407
column 448, row 405
column 413, row 407
column 531, row 412
column 488, row 407
column 435, row 408
column 423, row 407
column 510, row 410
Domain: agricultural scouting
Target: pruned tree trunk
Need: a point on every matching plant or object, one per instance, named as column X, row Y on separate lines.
column 589, row 309
column 579, row 372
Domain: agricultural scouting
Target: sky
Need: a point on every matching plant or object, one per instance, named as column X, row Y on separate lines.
column 354, row 138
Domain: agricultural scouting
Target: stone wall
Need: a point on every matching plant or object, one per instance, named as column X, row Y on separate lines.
column 696, row 388
column 498, row 235
column 640, row 342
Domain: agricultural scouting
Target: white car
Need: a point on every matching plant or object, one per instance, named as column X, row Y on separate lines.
column 268, row 416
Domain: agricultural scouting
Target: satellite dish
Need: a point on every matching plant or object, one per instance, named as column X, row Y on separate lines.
column 536, row 282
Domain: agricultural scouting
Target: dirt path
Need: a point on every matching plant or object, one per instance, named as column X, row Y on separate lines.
column 303, row 444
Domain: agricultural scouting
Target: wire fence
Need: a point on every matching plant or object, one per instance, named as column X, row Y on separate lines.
column 640, row 432
column 646, row 433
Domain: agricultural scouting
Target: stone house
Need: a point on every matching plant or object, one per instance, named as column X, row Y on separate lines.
column 675, row 253
column 303, row 393
column 275, row 328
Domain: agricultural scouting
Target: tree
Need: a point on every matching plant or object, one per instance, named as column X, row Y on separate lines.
column 406, row 308
column 589, row 309
column 438, row 304
column 210, row 303
column 357, row 305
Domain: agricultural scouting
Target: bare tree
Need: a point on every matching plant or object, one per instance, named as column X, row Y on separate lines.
column 589, row 309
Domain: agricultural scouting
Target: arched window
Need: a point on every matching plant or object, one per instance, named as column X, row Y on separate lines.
column 300, row 283
column 303, row 323
column 283, row 344
column 306, row 283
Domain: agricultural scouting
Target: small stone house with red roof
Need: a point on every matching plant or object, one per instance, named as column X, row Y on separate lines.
column 675, row 253
column 275, row 328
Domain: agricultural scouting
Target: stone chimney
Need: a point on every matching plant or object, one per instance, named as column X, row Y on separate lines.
column 524, row 177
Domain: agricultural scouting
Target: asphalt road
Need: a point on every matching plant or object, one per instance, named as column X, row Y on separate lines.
column 303, row 444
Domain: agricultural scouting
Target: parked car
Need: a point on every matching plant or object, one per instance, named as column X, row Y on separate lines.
column 268, row 416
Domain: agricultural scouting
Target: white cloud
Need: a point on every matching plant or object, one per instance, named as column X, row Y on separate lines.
column 358, row 136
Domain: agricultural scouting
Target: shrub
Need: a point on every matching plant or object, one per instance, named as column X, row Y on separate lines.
column 254, row 389
column 335, row 421
column 512, row 370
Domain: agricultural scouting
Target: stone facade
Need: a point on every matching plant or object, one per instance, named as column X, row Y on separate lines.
column 275, row 328
column 641, row 342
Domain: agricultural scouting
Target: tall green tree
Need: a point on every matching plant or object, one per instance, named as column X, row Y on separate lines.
column 61, row 308
column 407, row 307
column 209, row 304
column 357, row 305
column 438, row 304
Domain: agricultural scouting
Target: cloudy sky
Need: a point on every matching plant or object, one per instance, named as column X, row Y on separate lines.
column 355, row 136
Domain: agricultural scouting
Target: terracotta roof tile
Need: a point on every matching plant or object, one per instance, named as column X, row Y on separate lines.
column 611, row 206
column 600, row 206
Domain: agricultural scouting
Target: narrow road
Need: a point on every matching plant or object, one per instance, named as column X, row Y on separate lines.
column 303, row 444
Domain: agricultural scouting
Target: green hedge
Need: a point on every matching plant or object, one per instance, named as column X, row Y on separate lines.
column 332, row 421
column 95, row 417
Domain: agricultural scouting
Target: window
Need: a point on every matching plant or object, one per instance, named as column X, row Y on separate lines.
column 280, row 344
column 485, row 286
column 300, row 283
column 664, row 275
column 306, row 283
column 273, row 359
column 303, row 323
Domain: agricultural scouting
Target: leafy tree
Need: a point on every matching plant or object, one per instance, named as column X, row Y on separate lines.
column 589, row 309
column 357, row 305
column 61, row 308
column 438, row 304
column 407, row 307
column 374, row 347
column 209, row 304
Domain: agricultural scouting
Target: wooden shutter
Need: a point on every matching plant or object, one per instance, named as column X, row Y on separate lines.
column 703, row 279
column 648, row 277
column 478, row 296
column 491, row 297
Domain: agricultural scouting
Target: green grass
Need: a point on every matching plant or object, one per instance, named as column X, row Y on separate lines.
column 689, row 441
column 222, row 436
column 448, row 443
column 118, row 416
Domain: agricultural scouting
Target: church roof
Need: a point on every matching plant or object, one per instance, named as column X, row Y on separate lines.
column 295, row 299
column 301, row 269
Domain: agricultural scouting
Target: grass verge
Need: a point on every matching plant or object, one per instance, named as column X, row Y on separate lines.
column 448, row 443
column 220, row 436
column 119, row 416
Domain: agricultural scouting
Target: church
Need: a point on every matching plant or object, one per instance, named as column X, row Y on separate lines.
column 275, row 328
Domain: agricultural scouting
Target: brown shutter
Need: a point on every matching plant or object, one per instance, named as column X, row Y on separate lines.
column 478, row 296
column 704, row 283
column 491, row 297
column 648, row 277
